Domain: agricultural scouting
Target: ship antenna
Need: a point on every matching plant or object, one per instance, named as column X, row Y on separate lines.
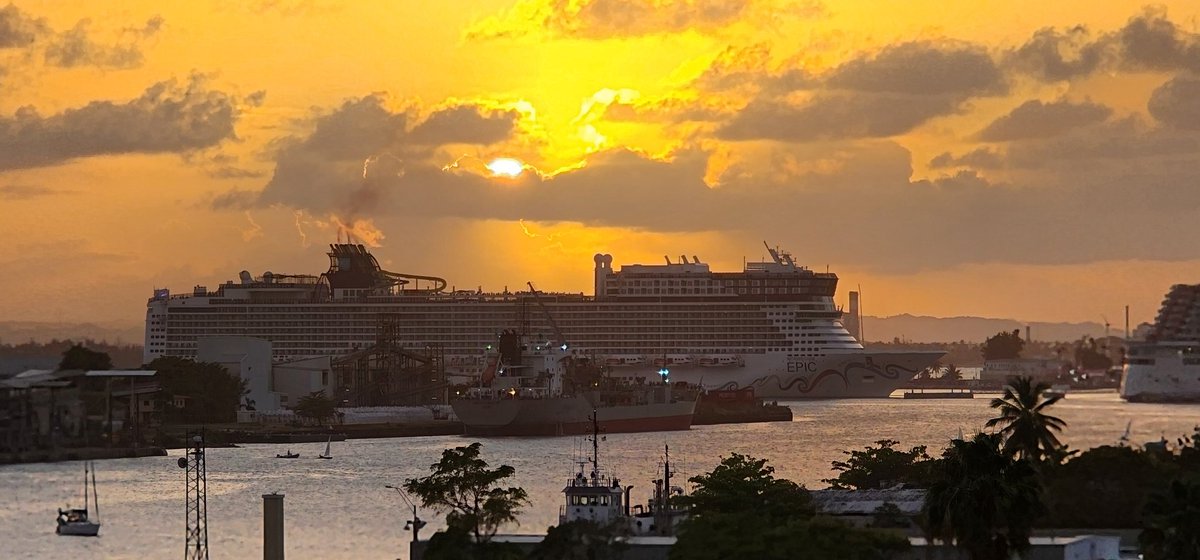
column 595, row 448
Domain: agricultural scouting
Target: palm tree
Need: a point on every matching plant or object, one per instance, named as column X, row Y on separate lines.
column 1028, row 431
column 952, row 373
column 984, row 501
column 1171, row 523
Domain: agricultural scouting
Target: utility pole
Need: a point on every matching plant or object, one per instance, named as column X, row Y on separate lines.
column 196, row 512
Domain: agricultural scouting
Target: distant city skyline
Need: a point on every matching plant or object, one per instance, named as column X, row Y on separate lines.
column 1022, row 160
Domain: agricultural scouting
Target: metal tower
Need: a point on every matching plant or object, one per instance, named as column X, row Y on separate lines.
column 196, row 547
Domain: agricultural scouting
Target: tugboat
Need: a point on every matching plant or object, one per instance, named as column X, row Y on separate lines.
column 74, row 521
column 600, row 499
column 288, row 455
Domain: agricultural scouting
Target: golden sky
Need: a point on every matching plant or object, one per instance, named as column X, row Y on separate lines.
column 1018, row 159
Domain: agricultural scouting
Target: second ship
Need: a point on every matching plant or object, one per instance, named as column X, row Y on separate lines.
column 773, row 326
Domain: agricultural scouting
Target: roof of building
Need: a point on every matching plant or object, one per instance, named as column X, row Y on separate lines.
column 832, row 501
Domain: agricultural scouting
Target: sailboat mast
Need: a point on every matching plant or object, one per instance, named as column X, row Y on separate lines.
column 95, row 497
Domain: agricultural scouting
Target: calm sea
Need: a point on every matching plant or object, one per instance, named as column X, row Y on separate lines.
column 340, row 509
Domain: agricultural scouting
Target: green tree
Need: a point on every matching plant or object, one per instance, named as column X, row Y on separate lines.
column 1028, row 431
column 741, row 483
column 316, row 406
column 882, row 466
column 1172, row 523
column 1003, row 345
column 582, row 540
column 212, row 394
column 740, row 510
column 462, row 485
column 983, row 501
column 80, row 357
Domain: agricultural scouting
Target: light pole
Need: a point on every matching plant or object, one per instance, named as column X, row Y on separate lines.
column 415, row 523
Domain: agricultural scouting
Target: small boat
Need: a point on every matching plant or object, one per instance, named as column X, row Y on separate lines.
column 74, row 521
column 288, row 455
column 327, row 454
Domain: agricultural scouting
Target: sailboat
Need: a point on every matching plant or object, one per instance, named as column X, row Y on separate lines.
column 327, row 454
column 75, row 521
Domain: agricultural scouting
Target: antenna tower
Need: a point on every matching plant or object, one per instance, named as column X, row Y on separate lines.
column 196, row 547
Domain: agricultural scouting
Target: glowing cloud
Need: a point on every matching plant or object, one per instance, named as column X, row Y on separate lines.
column 506, row 167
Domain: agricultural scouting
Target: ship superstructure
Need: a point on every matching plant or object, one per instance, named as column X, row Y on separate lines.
column 1166, row 366
column 774, row 325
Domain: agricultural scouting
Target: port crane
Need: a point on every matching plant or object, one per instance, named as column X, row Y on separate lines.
column 558, row 335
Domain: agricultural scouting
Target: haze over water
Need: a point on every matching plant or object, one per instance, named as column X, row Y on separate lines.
column 340, row 509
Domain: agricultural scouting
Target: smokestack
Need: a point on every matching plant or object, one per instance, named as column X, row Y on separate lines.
column 272, row 526
column 1028, row 338
column 853, row 321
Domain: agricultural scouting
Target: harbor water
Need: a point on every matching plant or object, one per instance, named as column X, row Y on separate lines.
column 340, row 508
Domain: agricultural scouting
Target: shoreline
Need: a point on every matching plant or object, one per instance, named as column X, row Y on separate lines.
column 79, row 454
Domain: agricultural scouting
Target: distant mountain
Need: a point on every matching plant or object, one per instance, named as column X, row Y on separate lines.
column 972, row 329
column 16, row 332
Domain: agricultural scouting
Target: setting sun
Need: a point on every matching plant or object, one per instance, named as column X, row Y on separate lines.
column 506, row 167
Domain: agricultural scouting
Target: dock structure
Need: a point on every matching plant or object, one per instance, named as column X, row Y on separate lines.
column 390, row 372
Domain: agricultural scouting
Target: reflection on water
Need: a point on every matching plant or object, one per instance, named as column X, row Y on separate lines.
column 340, row 509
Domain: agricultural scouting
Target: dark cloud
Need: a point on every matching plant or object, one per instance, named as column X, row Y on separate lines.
column 1034, row 119
column 982, row 158
column 1149, row 41
column 168, row 117
column 922, row 68
column 1113, row 144
column 19, row 30
column 1052, row 55
column 468, row 124
column 1177, row 103
column 77, row 48
column 356, row 154
column 836, row 116
column 603, row 19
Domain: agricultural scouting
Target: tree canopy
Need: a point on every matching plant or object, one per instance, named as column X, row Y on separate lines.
column 983, row 500
column 740, row 510
column 881, row 467
column 80, row 357
column 471, row 494
column 1172, row 522
column 316, row 406
column 1003, row 345
column 212, row 393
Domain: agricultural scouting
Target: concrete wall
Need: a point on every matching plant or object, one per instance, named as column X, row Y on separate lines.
column 294, row 380
column 248, row 358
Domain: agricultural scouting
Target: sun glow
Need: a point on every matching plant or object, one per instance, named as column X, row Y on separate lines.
column 506, row 167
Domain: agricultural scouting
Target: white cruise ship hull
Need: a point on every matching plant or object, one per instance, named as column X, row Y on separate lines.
column 1165, row 373
column 850, row 375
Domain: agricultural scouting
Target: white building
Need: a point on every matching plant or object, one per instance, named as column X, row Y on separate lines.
column 273, row 386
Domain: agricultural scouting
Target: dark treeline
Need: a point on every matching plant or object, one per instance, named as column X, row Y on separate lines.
column 124, row 356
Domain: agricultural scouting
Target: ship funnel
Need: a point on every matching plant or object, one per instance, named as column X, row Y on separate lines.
column 666, row 258
column 245, row 276
column 683, row 259
column 695, row 259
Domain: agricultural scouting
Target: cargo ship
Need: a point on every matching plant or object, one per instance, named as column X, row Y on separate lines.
column 772, row 326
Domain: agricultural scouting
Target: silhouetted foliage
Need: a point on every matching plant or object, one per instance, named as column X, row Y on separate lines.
column 582, row 540
column 1172, row 523
column 1089, row 356
column 740, row 510
column 983, row 500
column 1103, row 487
column 212, row 393
column 1003, row 345
column 80, row 357
column 1028, row 431
column 316, row 406
column 882, row 467
column 952, row 373
column 462, row 485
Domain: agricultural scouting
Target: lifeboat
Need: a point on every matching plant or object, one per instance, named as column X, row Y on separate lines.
column 660, row 362
column 681, row 360
column 721, row 360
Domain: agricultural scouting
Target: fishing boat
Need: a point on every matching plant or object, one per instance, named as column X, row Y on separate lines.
column 75, row 521
column 288, row 455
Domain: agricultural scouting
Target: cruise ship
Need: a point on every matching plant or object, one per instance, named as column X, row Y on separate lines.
column 773, row 326
column 1166, row 366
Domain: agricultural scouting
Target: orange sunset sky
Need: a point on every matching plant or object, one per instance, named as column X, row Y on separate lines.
column 1016, row 159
